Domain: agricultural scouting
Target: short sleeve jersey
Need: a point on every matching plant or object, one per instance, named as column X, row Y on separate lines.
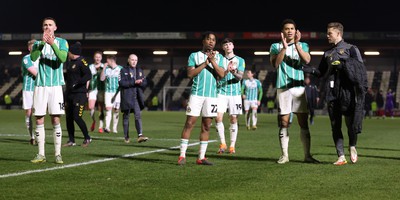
column 95, row 83
column 112, row 77
column 28, row 83
column 229, row 85
column 204, row 83
column 50, row 68
column 251, row 88
column 290, row 73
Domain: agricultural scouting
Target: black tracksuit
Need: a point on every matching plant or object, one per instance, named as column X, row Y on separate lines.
column 77, row 76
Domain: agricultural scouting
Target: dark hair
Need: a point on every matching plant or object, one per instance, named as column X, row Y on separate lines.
column 112, row 57
column 49, row 18
column 288, row 21
column 227, row 40
column 206, row 34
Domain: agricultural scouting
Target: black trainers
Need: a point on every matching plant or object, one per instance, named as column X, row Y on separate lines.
column 203, row 162
column 86, row 142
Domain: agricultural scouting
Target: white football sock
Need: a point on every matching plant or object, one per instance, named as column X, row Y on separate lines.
column 115, row 121
column 203, row 149
column 284, row 141
column 108, row 119
column 234, row 132
column 57, row 135
column 40, row 135
column 254, row 117
column 221, row 131
column 183, row 147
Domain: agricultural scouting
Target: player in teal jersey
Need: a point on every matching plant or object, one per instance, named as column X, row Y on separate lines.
column 29, row 72
column 112, row 98
column 51, row 52
column 251, row 93
column 96, row 90
column 288, row 57
column 229, row 95
column 205, row 68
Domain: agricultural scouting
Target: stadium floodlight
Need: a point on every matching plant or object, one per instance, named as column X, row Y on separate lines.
column 110, row 52
column 15, row 53
column 371, row 53
column 160, row 52
column 261, row 53
column 317, row 53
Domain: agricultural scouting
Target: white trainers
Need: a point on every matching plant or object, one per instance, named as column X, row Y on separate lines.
column 353, row 154
column 341, row 161
column 283, row 160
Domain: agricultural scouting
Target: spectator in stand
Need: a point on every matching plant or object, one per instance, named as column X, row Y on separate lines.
column 369, row 97
column 389, row 104
column 380, row 102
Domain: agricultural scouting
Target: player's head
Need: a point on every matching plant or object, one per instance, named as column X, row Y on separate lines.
column 227, row 45
column 250, row 73
column 334, row 32
column 287, row 22
column 49, row 25
column 111, row 60
column 209, row 40
column 97, row 56
column 132, row 60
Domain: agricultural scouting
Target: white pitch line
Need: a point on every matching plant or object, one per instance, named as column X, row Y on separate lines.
column 93, row 161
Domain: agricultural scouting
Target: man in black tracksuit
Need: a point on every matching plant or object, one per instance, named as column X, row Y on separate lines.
column 77, row 77
column 131, row 84
column 345, row 80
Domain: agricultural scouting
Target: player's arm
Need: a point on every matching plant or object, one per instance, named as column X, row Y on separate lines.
column 103, row 72
column 61, row 54
column 303, row 53
column 37, row 50
column 220, row 70
column 277, row 55
column 87, row 75
column 32, row 70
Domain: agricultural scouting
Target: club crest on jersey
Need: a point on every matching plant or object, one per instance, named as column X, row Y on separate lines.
column 73, row 66
column 341, row 51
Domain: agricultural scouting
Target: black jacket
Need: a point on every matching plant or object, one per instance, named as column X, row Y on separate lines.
column 347, row 82
column 78, row 74
column 131, row 93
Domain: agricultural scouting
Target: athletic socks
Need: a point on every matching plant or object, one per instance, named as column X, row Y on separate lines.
column 203, row 149
column 57, row 135
column 40, row 135
column 234, row 132
column 183, row 147
column 284, row 141
column 221, row 131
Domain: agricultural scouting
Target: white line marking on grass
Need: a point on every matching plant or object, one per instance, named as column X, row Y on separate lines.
column 93, row 161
